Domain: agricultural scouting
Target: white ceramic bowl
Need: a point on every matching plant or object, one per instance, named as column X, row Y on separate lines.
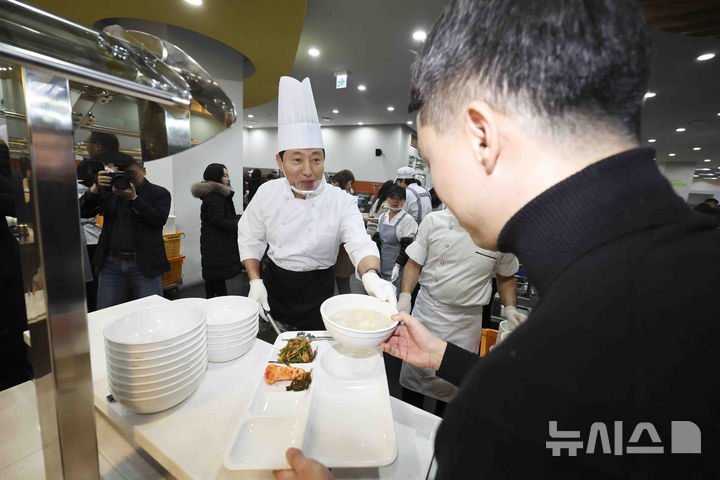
column 188, row 301
column 217, row 341
column 229, row 332
column 155, row 389
column 156, row 352
column 160, row 402
column 135, row 378
column 350, row 337
column 227, row 354
column 229, row 310
column 157, row 360
column 153, row 327
column 134, row 368
column 221, row 347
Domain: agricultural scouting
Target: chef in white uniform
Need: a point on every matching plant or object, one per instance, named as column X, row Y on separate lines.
column 456, row 281
column 417, row 202
column 302, row 221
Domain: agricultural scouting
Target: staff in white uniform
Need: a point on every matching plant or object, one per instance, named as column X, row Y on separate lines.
column 418, row 202
column 396, row 229
column 456, row 281
column 302, row 222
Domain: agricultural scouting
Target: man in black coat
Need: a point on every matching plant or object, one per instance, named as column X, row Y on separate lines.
column 14, row 365
column 539, row 103
column 709, row 206
column 131, row 250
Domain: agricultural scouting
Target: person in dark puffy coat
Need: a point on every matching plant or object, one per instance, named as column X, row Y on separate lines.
column 218, row 232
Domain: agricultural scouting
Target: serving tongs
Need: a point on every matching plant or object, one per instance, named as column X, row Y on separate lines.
column 272, row 321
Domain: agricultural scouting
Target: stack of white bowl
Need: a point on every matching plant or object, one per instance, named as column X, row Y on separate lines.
column 232, row 324
column 156, row 357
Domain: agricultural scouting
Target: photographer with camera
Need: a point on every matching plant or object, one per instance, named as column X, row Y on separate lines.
column 131, row 250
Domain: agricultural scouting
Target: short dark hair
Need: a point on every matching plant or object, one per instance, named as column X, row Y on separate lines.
column 711, row 200
column 214, row 172
column 560, row 63
column 108, row 141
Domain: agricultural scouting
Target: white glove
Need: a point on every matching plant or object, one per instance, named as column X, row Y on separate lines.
column 512, row 315
column 395, row 273
column 259, row 294
column 379, row 288
column 404, row 302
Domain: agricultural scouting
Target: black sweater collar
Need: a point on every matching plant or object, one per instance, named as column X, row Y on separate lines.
column 608, row 199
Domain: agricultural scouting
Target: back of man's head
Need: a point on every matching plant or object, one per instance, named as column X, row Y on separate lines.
column 107, row 141
column 554, row 66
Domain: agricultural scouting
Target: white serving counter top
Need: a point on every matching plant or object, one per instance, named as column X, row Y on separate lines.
column 190, row 439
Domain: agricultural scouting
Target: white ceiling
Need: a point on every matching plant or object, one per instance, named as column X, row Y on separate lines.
column 372, row 40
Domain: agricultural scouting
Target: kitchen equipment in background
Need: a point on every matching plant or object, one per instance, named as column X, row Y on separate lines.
column 156, row 357
column 232, row 325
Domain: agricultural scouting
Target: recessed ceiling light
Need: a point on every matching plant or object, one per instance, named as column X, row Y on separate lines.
column 650, row 95
column 703, row 169
column 419, row 35
column 362, row 88
column 695, row 176
column 409, row 122
column 671, row 154
column 705, row 56
column 196, row 3
column 680, row 130
column 314, row 52
column 250, row 115
column 390, row 109
column 335, row 110
column 706, row 160
column 250, row 126
column 652, row 140
column 697, row 148
column 361, row 123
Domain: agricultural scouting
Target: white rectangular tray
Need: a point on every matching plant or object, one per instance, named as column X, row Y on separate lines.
column 343, row 420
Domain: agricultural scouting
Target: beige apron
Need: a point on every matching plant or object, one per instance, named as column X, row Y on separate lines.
column 459, row 325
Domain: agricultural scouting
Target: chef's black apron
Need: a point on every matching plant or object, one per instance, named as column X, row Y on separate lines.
column 295, row 297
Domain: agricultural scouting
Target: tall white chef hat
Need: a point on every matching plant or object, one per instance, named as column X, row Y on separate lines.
column 298, row 124
column 405, row 172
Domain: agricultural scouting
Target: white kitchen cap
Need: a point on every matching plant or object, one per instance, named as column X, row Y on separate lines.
column 298, row 125
column 405, row 172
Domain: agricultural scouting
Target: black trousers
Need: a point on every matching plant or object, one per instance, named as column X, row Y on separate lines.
column 215, row 288
column 295, row 297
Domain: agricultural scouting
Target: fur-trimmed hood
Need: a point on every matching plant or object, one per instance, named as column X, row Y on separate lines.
column 202, row 189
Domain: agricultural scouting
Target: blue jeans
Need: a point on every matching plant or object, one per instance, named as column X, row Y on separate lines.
column 117, row 275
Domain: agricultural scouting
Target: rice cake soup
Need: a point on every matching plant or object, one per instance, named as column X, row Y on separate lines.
column 362, row 319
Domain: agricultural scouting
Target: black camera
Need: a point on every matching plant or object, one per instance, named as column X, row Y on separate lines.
column 120, row 180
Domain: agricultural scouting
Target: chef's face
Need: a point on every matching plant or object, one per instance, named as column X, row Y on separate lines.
column 395, row 202
column 303, row 167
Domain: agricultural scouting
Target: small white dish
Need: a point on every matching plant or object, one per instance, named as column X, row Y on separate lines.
column 359, row 339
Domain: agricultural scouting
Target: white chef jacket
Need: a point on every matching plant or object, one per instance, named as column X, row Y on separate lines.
column 406, row 225
column 303, row 234
column 455, row 270
column 411, row 200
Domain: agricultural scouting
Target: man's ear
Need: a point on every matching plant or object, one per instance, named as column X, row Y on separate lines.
column 278, row 160
column 480, row 122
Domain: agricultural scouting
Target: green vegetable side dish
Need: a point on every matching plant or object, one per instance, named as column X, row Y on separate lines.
column 300, row 383
column 297, row 350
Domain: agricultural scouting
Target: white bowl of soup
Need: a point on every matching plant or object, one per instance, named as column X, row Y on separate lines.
column 358, row 321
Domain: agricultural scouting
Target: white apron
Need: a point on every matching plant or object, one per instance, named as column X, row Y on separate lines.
column 459, row 325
